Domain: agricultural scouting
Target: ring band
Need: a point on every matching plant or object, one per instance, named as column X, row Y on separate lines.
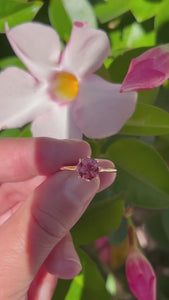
column 88, row 168
column 101, row 170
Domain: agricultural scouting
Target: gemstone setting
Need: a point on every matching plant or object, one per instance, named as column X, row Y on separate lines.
column 88, row 168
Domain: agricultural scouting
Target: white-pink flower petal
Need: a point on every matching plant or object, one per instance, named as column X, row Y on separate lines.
column 20, row 99
column 56, row 122
column 37, row 46
column 86, row 51
column 100, row 110
column 147, row 71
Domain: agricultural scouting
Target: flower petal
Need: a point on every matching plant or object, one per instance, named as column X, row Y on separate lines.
column 56, row 123
column 37, row 46
column 20, row 100
column 140, row 276
column 147, row 71
column 86, row 50
column 100, row 110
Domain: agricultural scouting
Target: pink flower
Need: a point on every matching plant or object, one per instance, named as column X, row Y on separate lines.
column 147, row 71
column 140, row 276
column 60, row 95
column 103, row 245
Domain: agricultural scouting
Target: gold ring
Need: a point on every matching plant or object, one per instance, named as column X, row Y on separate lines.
column 88, row 168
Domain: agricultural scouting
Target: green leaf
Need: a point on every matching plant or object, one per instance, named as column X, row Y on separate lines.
column 147, row 120
column 143, row 9
column 9, row 133
column 162, row 22
column 111, row 285
column 88, row 285
column 148, row 97
column 76, row 288
column 90, row 280
column 119, row 67
column 163, row 96
column 138, row 36
column 162, row 146
column 133, row 35
column 163, row 283
column 11, row 61
column 70, row 11
column 15, row 132
column 94, row 285
column 16, row 12
column 156, row 229
column 26, row 132
column 117, row 237
column 165, row 222
column 61, row 290
column 142, row 173
column 57, row 14
column 110, row 9
column 101, row 218
column 102, row 72
column 80, row 11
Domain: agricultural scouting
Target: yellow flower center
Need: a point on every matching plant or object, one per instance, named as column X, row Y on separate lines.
column 65, row 87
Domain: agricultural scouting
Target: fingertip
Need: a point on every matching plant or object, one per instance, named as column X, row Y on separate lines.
column 68, row 269
column 85, row 146
column 63, row 260
column 52, row 154
column 106, row 178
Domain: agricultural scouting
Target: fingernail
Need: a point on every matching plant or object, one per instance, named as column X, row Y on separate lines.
column 68, row 268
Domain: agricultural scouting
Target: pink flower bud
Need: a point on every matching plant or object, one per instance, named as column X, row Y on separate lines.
column 140, row 276
column 147, row 71
column 104, row 251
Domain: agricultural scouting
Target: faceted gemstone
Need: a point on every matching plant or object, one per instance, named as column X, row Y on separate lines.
column 88, row 168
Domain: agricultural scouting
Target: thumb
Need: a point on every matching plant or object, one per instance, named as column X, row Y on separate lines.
column 33, row 231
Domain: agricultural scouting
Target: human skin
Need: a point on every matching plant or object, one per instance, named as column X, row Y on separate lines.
column 39, row 204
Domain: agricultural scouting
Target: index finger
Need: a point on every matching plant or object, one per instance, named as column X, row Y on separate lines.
column 24, row 158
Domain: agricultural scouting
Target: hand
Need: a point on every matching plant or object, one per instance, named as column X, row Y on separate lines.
column 38, row 206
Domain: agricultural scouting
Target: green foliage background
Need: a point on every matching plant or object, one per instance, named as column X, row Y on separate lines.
column 141, row 149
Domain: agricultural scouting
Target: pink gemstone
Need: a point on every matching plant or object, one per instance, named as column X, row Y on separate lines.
column 88, row 168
